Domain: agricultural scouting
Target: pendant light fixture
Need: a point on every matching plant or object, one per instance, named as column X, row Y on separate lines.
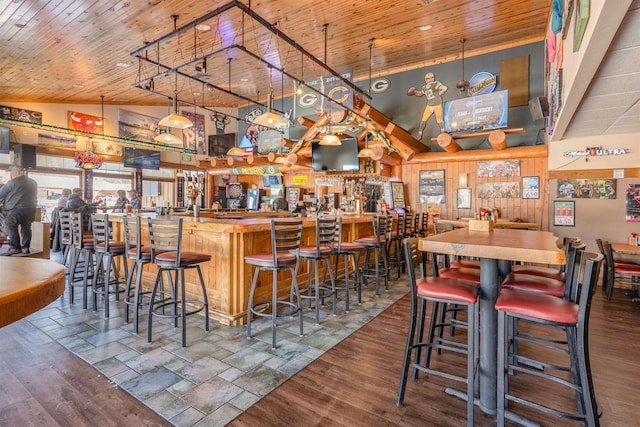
column 329, row 138
column 180, row 172
column 175, row 120
column 462, row 85
column 234, row 151
column 271, row 119
column 367, row 152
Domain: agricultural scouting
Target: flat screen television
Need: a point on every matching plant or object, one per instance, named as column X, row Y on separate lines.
column 5, row 134
column 327, row 158
column 141, row 159
column 220, row 144
column 480, row 112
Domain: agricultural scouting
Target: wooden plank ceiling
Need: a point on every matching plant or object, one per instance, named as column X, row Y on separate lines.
column 75, row 51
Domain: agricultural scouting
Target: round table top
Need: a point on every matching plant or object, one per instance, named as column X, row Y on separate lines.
column 27, row 285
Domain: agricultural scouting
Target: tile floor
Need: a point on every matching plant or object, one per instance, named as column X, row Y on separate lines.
column 220, row 373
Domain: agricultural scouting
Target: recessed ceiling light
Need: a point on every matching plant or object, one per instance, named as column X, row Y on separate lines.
column 426, row 28
column 203, row 27
column 123, row 64
column 244, row 79
column 78, row 86
column 196, row 94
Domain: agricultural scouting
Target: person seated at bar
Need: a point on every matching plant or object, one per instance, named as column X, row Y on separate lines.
column 62, row 201
column 121, row 201
column 135, row 201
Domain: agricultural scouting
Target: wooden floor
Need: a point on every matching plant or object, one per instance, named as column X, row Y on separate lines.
column 353, row 384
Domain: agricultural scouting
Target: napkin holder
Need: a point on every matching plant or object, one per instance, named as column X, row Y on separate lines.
column 480, row 225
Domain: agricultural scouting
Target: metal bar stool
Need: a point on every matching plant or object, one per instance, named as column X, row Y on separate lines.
column 321, row 251
column 394, row 244
column 138, row 255
column 106, row 251
column 66, row 238
column 572, row 314
column 347, row 250
column 438, row 290
column 165, row 236
column 377, row 245
column 81, row 247
column 283, row 255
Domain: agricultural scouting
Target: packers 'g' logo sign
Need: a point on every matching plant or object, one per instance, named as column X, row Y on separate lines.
column 307, row 100
column 380, row 85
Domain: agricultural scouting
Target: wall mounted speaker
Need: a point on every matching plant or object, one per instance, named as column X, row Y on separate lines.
column 539, row 108
column 24, row 156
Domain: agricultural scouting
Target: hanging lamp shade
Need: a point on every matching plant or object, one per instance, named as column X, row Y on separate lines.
column 175, row 119
column 271, row 119
column 168, row 138
column 235, row 152
column 330, row 139
column 281, row 160
column 366, row 152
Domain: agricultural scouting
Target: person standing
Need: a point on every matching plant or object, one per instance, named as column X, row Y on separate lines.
column 19, row 199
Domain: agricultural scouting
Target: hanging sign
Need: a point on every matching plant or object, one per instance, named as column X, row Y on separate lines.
column 482, row 83
column 257, row 170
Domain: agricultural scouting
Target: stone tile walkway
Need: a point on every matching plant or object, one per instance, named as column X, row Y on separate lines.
column 220, row 373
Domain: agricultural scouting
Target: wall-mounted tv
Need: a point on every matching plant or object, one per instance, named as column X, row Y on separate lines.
column 327, row 158
column 5, row 134
column 142, row 159
column 220, row 144
column 478, row 112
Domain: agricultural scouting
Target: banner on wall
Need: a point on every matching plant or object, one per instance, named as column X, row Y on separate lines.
column 331, row 87
column 601, row 188
column 633, row 203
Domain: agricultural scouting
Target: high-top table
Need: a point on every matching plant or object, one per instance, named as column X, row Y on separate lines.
column 625, row 249
column 27, row 285
column 496, row 250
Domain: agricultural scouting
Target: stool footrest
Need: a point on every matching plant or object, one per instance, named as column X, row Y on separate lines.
column 261, row 313
column 177, row 304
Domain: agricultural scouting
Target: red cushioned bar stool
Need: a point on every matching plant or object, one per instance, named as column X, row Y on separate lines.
column 106, row 279
column 165, row 237
column 347, row 250
column 138, row 255
column 80, row 258
column 320, row 252
column 376, row 246
column 283, row 254
column 571, row 314
column 439, row 290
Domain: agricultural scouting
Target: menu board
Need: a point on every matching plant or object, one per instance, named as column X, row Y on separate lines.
column 397, row 194
column 432, row 186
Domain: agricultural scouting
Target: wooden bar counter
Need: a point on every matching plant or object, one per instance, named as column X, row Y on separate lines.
column 228, row 241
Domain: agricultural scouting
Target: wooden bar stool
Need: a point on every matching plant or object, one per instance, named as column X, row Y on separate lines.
column 138, row 255
column 394, row 244
column 346, row 250
column 321, row 251
column 572, row 314
column 165, row 236
column 439, row 290
column 106, row 251
column 283, row 255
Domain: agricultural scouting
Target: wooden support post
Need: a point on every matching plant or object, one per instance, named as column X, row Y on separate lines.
column 498, row 139
column 447, row 142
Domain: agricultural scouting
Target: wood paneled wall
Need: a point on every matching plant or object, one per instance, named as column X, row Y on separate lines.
column 529, row 210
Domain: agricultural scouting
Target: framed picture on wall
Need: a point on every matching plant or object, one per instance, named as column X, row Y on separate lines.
column 530, row 187
column 463, row 198
column 564, row 213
